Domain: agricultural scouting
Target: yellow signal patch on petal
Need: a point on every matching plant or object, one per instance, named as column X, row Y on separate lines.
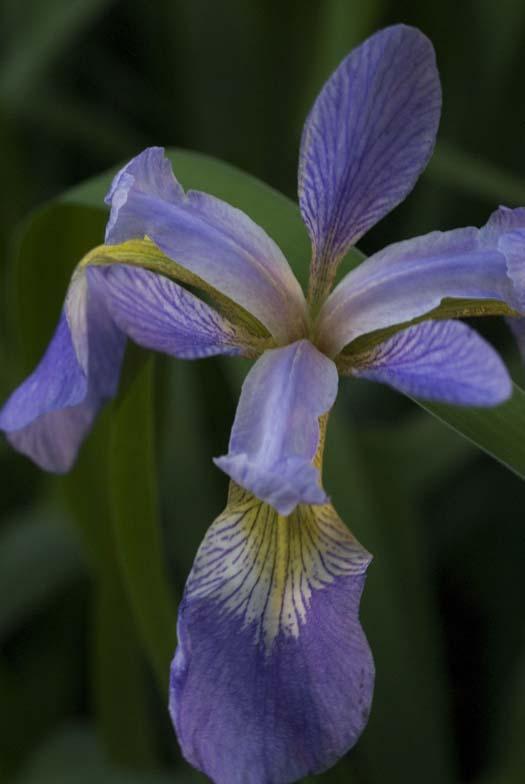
column 263, row 568
column 144, row 254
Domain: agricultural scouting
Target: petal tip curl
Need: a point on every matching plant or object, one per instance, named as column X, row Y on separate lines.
column 48, row 416
column 284, row 485
column 149, row 174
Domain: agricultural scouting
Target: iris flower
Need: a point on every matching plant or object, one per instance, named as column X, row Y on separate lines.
column 273, row 676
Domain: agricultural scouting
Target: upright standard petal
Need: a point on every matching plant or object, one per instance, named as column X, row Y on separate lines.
column 444, row 361
column 276, row 430
column 273, row 677
column 367, row 139
column 160, row 315
column 216, row 242
column 410, row 279
column 52, row 411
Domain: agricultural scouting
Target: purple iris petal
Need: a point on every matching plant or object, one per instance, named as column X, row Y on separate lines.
column 504, row 219
column 49, row 415
column 158, row 314
column 273, row 677
column 51, row 412
column 445, row 361
column 411, row 278
column 512, row 244
column 367, row 139
column 207, row 236
column 507, row 228
column 276, row 430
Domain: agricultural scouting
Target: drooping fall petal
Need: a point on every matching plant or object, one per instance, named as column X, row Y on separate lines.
column 48, row 416
column 273, row 677
column 443, row 361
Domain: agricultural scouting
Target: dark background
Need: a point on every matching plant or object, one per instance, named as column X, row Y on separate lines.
column 85, row 85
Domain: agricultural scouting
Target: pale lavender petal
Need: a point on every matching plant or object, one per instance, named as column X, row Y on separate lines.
column 57, row 383
column 409, row 279
column 51, row 412
column 512, row 245
column 367, row 139
column 508, row 227
column 444, row 361
column 160, row 315
column 504, row 219
column 207, row 236
column 273, row 677
column 276, row 430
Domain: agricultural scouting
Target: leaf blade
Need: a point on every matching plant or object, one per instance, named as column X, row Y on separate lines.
column 135, row 521
column 497, row 431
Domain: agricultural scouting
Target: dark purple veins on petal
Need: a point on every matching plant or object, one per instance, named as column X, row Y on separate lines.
column 365, row 142
column 443, row 361
column 210, row 238
column 160, row 315
column 273, row 677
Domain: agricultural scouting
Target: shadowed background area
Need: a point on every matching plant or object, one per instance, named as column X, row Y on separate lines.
column 87, row 621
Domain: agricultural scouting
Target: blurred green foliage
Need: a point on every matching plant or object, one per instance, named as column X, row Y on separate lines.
column 90, row 569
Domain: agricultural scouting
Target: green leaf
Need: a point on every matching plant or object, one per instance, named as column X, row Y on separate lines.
column 193, row 490
column 119, row 678
column 498, row 431
column 135, row 518
column 119, row 682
